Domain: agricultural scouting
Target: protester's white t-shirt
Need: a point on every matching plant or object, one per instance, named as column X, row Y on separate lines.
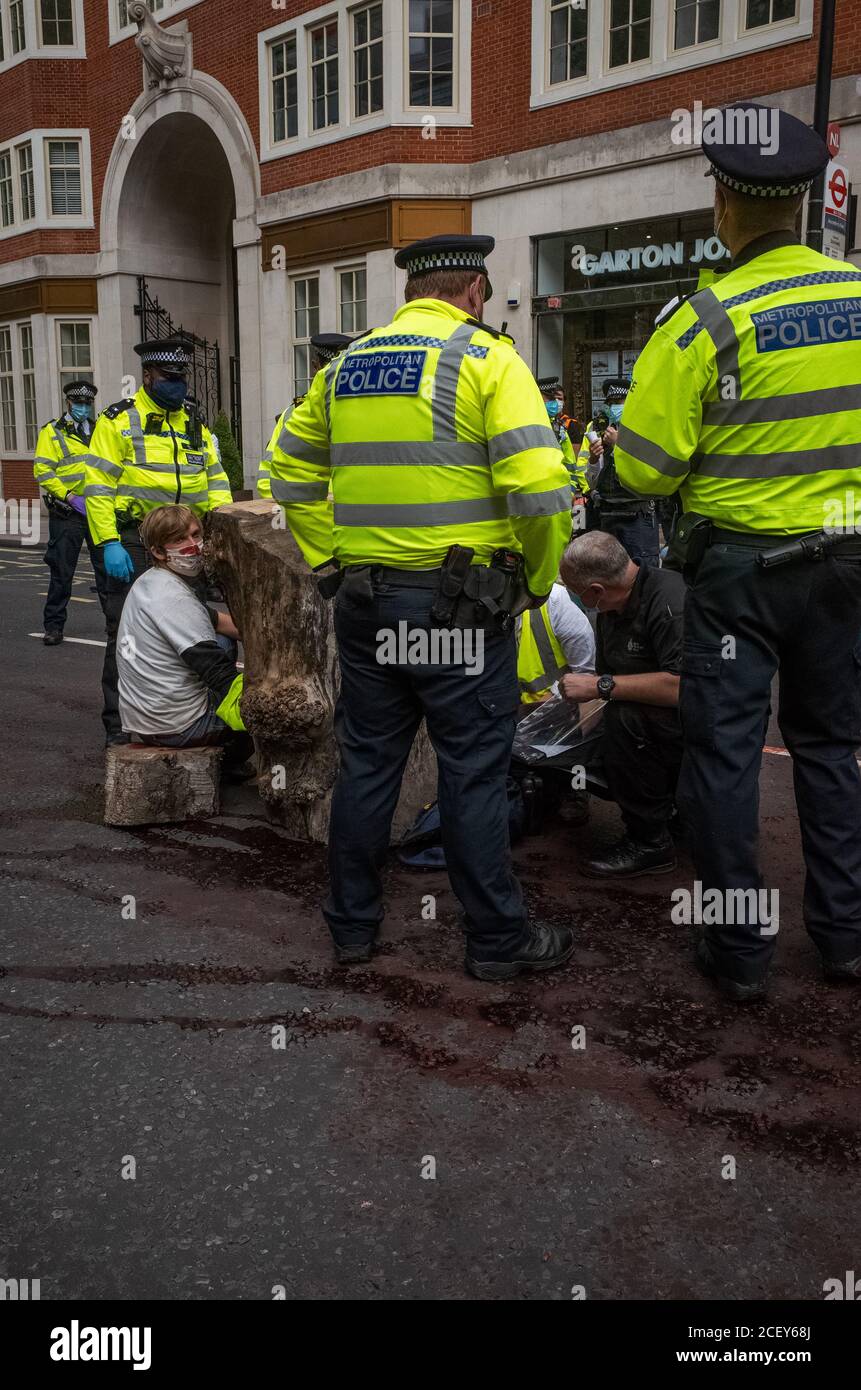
column 572, row 629
column 162, row 617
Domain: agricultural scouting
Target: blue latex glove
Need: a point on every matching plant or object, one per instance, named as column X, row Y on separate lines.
column 78, row 503
column 118, row 562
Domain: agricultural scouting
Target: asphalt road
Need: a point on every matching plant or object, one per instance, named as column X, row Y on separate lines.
column 145, row 1046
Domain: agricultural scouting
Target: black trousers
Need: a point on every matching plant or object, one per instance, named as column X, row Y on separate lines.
column 743, row 624
column 66, row 535
column 639, row 535
column 641, row 749
column 471, row 721
column 116, row 593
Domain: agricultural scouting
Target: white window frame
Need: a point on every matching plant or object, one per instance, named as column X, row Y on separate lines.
column 305, row 340
column 433, row 110
column 311, row 63
column 44, row 219
column 13, row 375
column 65, row 321
column 693, row 47
column 33, row 46
column 19, row 148
column 271, row 80
column 734, row 40
column 351, row 51
column 395, row 112
column 634, row 64
column 26, row 325
column 119, row 33
column 761, row 28
column 7, row 159
column 353, row 268
column 571, row 81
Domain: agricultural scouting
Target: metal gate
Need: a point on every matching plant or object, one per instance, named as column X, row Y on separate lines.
column 205, row 372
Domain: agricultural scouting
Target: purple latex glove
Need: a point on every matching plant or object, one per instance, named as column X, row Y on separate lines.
column 77, row 502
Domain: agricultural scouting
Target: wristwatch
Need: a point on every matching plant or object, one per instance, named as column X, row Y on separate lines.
column 606, row 686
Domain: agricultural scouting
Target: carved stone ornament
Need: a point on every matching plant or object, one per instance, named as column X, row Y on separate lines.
column 166, row 56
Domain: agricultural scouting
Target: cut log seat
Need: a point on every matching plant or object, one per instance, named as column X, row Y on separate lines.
column 147, row 785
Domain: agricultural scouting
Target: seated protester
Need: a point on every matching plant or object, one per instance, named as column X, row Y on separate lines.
column 551, row 641
column 637, row 663
column 177, row 685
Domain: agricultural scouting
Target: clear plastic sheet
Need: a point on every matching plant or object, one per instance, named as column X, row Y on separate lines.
column 555, row 727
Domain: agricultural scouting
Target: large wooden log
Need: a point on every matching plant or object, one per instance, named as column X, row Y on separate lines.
column 150, row 786
column 291, row 671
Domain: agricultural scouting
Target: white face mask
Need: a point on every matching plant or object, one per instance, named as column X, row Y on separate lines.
column 187, row 564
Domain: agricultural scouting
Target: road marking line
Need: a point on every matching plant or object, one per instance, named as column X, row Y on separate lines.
column 43, row 593
column 81, row 641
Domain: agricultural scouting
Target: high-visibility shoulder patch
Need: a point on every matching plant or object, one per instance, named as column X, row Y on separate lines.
column 380, row 374
column 112, row 411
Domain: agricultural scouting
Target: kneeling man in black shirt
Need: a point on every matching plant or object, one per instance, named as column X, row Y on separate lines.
column 637, row 660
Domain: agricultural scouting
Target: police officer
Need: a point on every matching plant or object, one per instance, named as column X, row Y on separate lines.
column 146, row 452
column 746, row 396
column 58, row 467
column 446, row 475
column 551, row 389
column 325, row 347
column 611, row 508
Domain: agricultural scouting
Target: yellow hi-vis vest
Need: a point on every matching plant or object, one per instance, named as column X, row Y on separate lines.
column 746, row 399
column 59, row 461
column 141, row 458
column 540, row 658
column 430, row 432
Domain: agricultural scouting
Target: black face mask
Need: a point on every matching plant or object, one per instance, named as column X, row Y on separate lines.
column 169, row 394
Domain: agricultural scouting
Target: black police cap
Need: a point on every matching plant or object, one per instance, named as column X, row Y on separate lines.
column 616, row 388
column 170, row 354
column 548, row 384
column 447, row 253
column 762, row 151
column 328, row 346
column 83, row 392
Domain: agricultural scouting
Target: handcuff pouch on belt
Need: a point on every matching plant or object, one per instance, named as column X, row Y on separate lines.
column 691, row 539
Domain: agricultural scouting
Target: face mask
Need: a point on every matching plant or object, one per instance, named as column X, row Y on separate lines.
column 185, row 561
column 553, row 408
column 80, row 412
column 169, row 394
column 614, row 414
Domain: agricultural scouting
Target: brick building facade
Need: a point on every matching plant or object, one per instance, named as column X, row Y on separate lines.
column 256, row 189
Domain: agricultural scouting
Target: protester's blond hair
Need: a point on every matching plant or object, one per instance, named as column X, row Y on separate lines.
column 165, row 525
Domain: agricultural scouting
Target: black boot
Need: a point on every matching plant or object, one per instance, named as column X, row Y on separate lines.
column 730, row 989
column 356, row 954
column 844, row 972
column 627, row 858
column 545, row 948
column 53, row 637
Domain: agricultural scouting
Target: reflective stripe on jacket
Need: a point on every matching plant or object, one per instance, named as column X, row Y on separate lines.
column 429, row 432
column 540, row 658
column 141, row 458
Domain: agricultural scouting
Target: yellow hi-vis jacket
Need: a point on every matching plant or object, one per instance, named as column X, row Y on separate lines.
column 431, row 432
column 59, row 461
column 746, row 398
column 264, row 473
column 540, row 658
column 141, row 458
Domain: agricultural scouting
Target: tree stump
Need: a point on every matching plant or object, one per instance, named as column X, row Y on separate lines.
column 149, row 786
column 291, row 671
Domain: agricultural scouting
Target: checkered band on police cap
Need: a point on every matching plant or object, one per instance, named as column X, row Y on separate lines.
column 168, row 352
column 761, row 190
column 445, row 260
column 83, row 391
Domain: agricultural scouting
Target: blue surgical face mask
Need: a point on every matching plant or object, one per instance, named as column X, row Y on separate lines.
column 170, row 395
column 80, row 413
column 614, row 414
column 553, row 408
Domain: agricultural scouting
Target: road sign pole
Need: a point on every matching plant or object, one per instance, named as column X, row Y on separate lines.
column 821, row 104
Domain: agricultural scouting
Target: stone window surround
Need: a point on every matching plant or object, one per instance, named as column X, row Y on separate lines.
column 395, row 111
column 33, row 48
column 733, row 41
column 45, row 219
